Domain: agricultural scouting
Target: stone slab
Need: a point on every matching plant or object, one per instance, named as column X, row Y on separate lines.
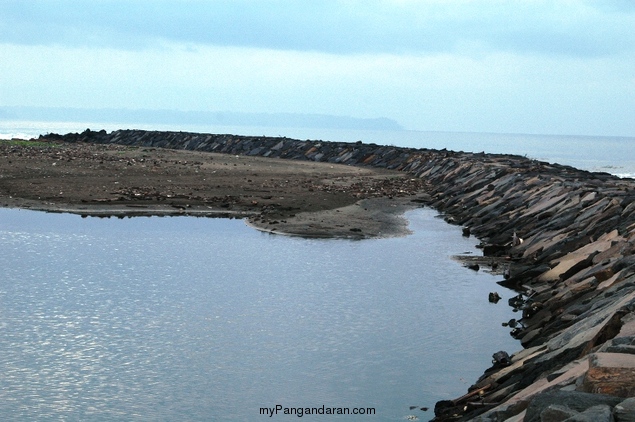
column 610, row 373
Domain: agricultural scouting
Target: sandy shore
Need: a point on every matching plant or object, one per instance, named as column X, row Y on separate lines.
column 283, row 196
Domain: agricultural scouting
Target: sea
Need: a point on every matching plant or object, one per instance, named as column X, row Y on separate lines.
column 609, row 154
column 204, row 319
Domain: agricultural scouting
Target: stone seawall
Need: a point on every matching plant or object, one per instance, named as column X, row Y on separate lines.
column 565, row 238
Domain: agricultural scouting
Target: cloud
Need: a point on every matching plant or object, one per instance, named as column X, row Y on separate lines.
column 497, row 66
column 499, row 92
column 331, row 26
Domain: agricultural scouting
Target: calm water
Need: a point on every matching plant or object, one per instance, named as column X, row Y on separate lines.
column 206, row 319
column 608, row 154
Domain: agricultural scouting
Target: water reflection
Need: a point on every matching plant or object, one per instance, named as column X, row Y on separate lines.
column 207, row 319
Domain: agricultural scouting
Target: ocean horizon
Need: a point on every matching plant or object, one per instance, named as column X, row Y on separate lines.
column 608, row 154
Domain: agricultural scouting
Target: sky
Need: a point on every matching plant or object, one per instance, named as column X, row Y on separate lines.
column 537, row 67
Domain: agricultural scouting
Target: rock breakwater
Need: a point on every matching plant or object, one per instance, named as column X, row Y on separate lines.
column 564, row 236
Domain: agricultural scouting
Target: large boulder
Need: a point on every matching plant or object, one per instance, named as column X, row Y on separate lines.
column 611, row 373
column 625, row 411
column 570, row 401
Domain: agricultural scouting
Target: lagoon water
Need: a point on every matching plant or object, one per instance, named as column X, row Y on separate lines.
column 195, row 319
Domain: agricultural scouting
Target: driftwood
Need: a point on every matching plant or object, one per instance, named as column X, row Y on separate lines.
column 477, row 392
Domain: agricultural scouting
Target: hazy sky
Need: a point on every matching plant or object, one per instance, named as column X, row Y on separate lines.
column 546, row 67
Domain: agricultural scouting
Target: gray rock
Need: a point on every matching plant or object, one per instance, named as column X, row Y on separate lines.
column 574, row 400
column 625, row 411
column 556, row 413
column 627, row 349
column 599, row 413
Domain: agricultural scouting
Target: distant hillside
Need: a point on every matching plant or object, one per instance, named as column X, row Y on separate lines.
column 223, row 118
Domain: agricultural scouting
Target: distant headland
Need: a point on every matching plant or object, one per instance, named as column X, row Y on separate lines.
column 210, row 118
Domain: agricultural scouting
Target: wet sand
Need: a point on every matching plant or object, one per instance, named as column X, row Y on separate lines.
column 284, row 196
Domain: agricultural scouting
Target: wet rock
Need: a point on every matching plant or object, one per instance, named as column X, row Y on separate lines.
column 512, row 323
column 516, row 302
column 494, row 297
column 495, row 250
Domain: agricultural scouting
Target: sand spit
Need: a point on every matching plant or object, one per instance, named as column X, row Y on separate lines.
column 563, row 237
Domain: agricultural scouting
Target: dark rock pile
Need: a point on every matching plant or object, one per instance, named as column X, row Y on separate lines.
column 278, row 147
column 566, row 238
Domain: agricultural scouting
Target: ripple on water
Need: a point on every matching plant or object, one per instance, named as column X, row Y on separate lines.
column 195, row 319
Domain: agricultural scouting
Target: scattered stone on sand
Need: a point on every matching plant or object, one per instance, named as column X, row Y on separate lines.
column 562, row 238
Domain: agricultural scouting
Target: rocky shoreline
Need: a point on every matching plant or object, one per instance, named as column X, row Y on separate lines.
column 565, row 238
column 573, row 266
